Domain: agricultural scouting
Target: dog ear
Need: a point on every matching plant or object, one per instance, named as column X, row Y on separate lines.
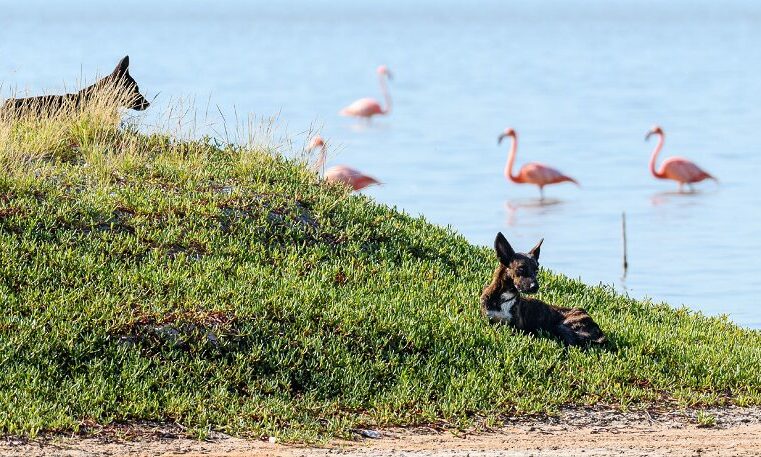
column 122, row 66
column 505, row 252
column 534, row 252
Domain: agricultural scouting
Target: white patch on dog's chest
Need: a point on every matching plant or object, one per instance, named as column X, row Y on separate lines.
column 504, row 313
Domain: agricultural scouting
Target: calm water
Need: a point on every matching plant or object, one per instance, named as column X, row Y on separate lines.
column 581, row 81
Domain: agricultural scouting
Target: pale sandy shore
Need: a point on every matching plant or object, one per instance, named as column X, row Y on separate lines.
column 737, row 432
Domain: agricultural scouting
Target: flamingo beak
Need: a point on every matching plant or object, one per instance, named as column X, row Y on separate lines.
column 501, row 137
column 390, row 76
column 649, row 134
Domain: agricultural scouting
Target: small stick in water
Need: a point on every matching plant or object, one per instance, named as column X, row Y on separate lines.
column 623, row 231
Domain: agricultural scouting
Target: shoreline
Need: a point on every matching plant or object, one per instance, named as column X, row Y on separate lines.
column 736, row 431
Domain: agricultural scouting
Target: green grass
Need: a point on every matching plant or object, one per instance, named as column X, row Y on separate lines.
column 224, row 288
column 704, row 419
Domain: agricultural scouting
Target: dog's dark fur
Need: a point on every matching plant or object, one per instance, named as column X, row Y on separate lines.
column 119, row 84
column 501, row 301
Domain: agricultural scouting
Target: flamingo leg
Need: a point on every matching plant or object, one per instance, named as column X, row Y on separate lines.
column 541, row 193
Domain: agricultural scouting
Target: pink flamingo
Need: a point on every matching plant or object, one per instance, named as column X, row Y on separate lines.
column 339, row 173
column 679, row 169
column 532, row 172
column 369, row 107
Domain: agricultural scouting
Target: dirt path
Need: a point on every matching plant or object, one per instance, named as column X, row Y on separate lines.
column 737, row 432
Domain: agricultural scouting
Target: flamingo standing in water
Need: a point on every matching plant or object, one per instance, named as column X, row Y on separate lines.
column 532, row 172
column 679, row 169
column 339, row 173
column 369, row 107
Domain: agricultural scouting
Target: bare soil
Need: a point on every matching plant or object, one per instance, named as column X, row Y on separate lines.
column 589, row 432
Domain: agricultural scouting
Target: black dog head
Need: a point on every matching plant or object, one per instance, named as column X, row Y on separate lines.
column 517, row 269
column 127, row 86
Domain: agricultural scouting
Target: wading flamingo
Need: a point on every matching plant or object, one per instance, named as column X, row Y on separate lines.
column 339, row 173
column 369, row 107
column 679, row 169
column 532, row 172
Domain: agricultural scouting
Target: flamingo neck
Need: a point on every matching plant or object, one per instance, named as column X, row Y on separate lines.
column 511, row 160
column 386, row 96
column 320, row 164
column 654, row 156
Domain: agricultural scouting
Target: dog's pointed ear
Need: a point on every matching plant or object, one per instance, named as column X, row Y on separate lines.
column 122, row 66
column 534, row 252
column 505, row 252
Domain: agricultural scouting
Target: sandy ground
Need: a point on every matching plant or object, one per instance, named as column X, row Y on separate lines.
column 737, row 432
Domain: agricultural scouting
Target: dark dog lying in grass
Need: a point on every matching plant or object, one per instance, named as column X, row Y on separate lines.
column 501, row 301
column 118, row 88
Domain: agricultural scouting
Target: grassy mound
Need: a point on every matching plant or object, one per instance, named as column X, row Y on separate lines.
column 225, row 288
